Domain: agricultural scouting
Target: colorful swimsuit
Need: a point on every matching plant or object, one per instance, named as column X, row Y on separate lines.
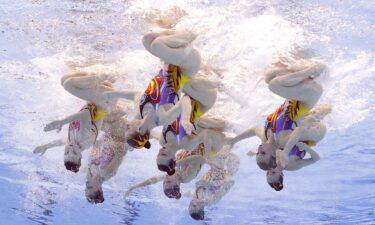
column 297, row 152
column 285, row 118
column 164, row 88
column 176, row 127
column 96, row 115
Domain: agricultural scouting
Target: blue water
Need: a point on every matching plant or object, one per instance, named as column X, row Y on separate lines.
column 240, row 37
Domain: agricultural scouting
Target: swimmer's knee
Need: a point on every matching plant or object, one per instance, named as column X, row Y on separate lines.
column 66, row 83
column 63, row 79
column 274, row 85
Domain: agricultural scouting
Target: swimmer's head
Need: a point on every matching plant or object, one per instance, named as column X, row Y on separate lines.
column 266, row 156
column 93, row 191
column 196, row 209
column 138, row 140
column 72, row 157
column 171, row 186
column 275, row 179
column 166, row 161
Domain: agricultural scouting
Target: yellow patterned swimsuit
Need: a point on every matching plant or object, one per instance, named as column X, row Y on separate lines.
column 164, row 88
column 96, row 115
column 286, row 118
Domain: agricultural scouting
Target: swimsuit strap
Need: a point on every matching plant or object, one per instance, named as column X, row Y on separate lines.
column 152, row 93
column 93, row 109
column 174, row 128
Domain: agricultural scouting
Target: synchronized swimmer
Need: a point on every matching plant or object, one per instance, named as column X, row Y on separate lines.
column 179, row 99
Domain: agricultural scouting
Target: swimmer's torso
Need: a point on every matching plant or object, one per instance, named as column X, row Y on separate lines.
column 190, row 171
column 216, row 183
column 164, row 88
column 107, row 156
column 85, row 132
column 285, row 119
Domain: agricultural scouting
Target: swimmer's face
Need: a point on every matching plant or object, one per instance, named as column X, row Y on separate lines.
column 196, row 209
column 275, row 179
column 171, row 186
column 266, row 156
column 72, row 157
column 166, row 161
column 94, row 192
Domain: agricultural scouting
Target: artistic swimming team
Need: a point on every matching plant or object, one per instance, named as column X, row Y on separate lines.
column 178, row 99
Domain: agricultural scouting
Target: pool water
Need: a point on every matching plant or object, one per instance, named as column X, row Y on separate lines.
column 239, row 38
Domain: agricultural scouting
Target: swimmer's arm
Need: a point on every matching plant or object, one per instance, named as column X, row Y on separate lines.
column 304, row 162
column 57, row 124
column 185, row 114
column 43, row 148
column 149, row 181
column 255, row 131
column 167, row 117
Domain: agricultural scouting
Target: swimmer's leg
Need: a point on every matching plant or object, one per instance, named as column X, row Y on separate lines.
column 315, row 132
column 83, row 80
column 298, row 86
column 202, row 90
column 173, row 49
column 319, row 112
column 85, row 87
column 110, row 170
column 211, row 122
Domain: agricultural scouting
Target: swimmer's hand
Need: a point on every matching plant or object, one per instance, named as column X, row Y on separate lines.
column 54, row 125
column 188, row 126
column 282, row 160
column 40, row 150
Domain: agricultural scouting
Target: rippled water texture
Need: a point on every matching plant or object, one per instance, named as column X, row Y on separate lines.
column 239, row 37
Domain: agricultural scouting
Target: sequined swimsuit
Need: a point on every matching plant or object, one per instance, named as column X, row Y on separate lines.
column 286, row 118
